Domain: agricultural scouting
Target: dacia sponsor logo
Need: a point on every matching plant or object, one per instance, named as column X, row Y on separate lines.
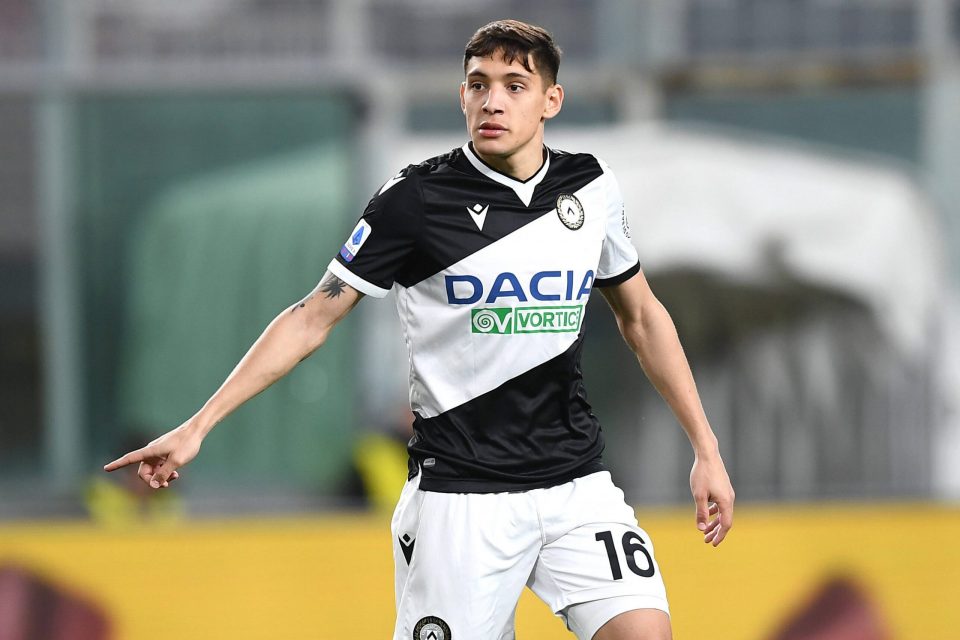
column 545, row 286
column 513, row 320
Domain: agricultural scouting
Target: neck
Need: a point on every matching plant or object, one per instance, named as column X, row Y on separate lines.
column 521, row 165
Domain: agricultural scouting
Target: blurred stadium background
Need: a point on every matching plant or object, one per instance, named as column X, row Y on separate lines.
column 174, row 173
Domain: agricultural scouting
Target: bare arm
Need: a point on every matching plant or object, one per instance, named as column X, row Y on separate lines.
column 292, row 336
column 651, row 335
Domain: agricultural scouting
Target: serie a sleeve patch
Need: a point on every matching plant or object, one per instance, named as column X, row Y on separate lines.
column 357, row 237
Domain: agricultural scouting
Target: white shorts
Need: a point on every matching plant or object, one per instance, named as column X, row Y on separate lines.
column 462, row 559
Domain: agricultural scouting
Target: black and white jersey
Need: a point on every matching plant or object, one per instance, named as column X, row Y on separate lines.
column 492, row 277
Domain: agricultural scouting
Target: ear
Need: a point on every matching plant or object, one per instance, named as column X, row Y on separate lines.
column 463, row 104
column 554, row 101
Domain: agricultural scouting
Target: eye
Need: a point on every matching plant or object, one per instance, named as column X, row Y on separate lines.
column 515, row 88
column 476, row 86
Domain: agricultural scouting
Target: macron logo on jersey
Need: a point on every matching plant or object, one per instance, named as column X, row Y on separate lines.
column 359, row 235
column 478, row 213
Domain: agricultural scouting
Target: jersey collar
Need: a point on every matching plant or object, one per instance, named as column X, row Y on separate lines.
column 523, row 188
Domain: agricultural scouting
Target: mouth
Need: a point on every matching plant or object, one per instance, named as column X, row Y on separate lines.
column 491, row 130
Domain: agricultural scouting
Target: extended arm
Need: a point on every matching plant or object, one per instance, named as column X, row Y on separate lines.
column 292, row 336
column 651, row 335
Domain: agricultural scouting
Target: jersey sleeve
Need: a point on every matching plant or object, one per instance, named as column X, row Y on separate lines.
column 618, row 259
column 384, row 238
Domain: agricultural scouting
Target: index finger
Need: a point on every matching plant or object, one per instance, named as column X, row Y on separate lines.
column 134, row 456
column 703, row 511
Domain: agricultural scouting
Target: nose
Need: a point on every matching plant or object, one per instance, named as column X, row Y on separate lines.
column 494, row 102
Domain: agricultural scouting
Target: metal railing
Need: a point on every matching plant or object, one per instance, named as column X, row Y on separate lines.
column 107, row 32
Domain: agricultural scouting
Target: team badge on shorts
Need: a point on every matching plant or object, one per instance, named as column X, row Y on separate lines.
column 431, row 628
column 570, row 211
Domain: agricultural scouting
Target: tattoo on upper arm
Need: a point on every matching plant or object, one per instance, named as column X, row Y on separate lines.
column 331, row 286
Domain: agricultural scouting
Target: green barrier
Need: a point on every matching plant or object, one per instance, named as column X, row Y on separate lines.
column 215, row 261
column 199, row 217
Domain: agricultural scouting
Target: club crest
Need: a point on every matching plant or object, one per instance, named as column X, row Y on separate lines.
column 432, row 628
column 570, row 211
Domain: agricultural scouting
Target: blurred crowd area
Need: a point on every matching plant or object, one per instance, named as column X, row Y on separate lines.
column 175, row 173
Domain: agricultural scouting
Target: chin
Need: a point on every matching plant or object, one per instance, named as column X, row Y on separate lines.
column 489, row 147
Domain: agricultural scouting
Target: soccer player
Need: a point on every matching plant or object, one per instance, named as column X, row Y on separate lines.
column 493, row 250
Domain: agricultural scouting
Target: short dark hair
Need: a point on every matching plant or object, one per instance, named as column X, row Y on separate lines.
column 516, row 41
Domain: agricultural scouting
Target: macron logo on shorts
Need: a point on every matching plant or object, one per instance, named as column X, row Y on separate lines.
column 406, row 545
column 359, row 235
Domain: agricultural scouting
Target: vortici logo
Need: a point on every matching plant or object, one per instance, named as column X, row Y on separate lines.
column 513, row 320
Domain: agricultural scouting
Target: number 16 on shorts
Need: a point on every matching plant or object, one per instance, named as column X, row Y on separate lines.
column 634, row 551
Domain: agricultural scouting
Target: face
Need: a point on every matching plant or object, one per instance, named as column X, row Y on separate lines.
column 505, row 106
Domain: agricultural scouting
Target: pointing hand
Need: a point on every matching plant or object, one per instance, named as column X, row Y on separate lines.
column 160, row 459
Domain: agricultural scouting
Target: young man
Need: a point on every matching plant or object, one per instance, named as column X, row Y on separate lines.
column 493, row 250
